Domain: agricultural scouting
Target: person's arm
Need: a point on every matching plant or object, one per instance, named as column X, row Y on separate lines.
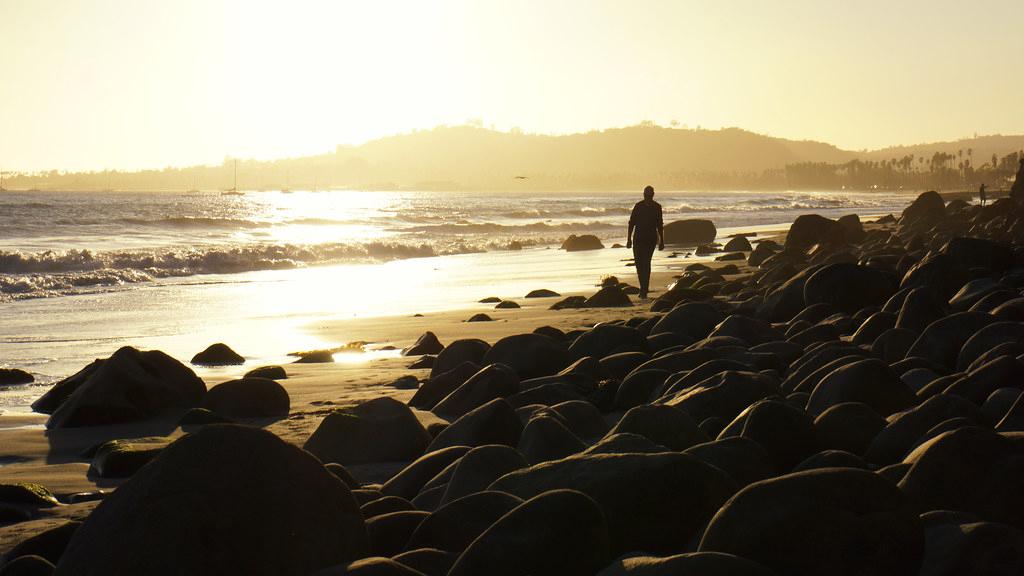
column 629, row 230
column 661, row 230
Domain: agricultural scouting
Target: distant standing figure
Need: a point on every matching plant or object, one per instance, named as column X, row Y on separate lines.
column 981, row 194
column 646, row 230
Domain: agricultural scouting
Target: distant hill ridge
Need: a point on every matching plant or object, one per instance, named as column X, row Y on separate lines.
column 473, row 157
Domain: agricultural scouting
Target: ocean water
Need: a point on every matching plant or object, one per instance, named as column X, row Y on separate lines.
column 83, row 273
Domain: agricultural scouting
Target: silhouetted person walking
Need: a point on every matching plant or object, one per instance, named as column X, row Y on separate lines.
column 646, row 230
column 981, row 194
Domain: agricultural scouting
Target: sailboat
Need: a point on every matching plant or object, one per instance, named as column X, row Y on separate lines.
column 194, row 189
column 234, row 185
column 2, row 189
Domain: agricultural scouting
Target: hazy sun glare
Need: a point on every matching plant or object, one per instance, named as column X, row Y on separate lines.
column 126, row 84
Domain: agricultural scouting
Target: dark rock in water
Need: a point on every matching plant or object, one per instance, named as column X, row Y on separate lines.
column 921, row 307
column 202, row 417
column 491, row 382
column 603, row 339
column 453, row 526
column 973, row 549
column 271, row 372
column 970, row 469
column 388, row 533
column 927, row 207
column 638, row 387
column 493, row 423
column 121, row 459
column 654, row 502
column 372, row 566
column 810, row 229
column 542, row 293
column 608, row 297
column 832, row 459
column 786, row 433
column 836, row 521
column 246, row 474
column 127, row 387
column 27, row 493
column 506, row 304
column 576, row 243
column 248, row 398
column 743, row 459
column 48, row 544
column 218, row 354
column 545, row 438
column 411, row 479
column 480, row 467
column 624, row 443
column 481, row 317
column 849, row 426
column 427, row 343
column 14, row 376
column 429, row 561
column 385, row 505
column 316, row 357
column 459, row 351
column 690, row 232
column 558, row 533
column 849, row 287
column 27, row 566
column 442, row 384
column 569, row 302
column 702, row 563
column 738, row 244
column 489, row 300
column 529, row 355
column 725, row 395
column 988, row 338
column 379, row 430
column 662, row 425
column 869, row 381
column 425, row 361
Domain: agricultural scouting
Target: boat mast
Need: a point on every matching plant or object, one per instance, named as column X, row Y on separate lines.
column 234, row 184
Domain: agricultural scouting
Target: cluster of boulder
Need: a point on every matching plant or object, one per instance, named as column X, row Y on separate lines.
column 135, row 386
column 849, row 402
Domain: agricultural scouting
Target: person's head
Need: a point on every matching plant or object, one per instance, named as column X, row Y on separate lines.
column 648, row 192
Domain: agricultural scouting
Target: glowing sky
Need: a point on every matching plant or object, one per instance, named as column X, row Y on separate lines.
column 89, row 84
